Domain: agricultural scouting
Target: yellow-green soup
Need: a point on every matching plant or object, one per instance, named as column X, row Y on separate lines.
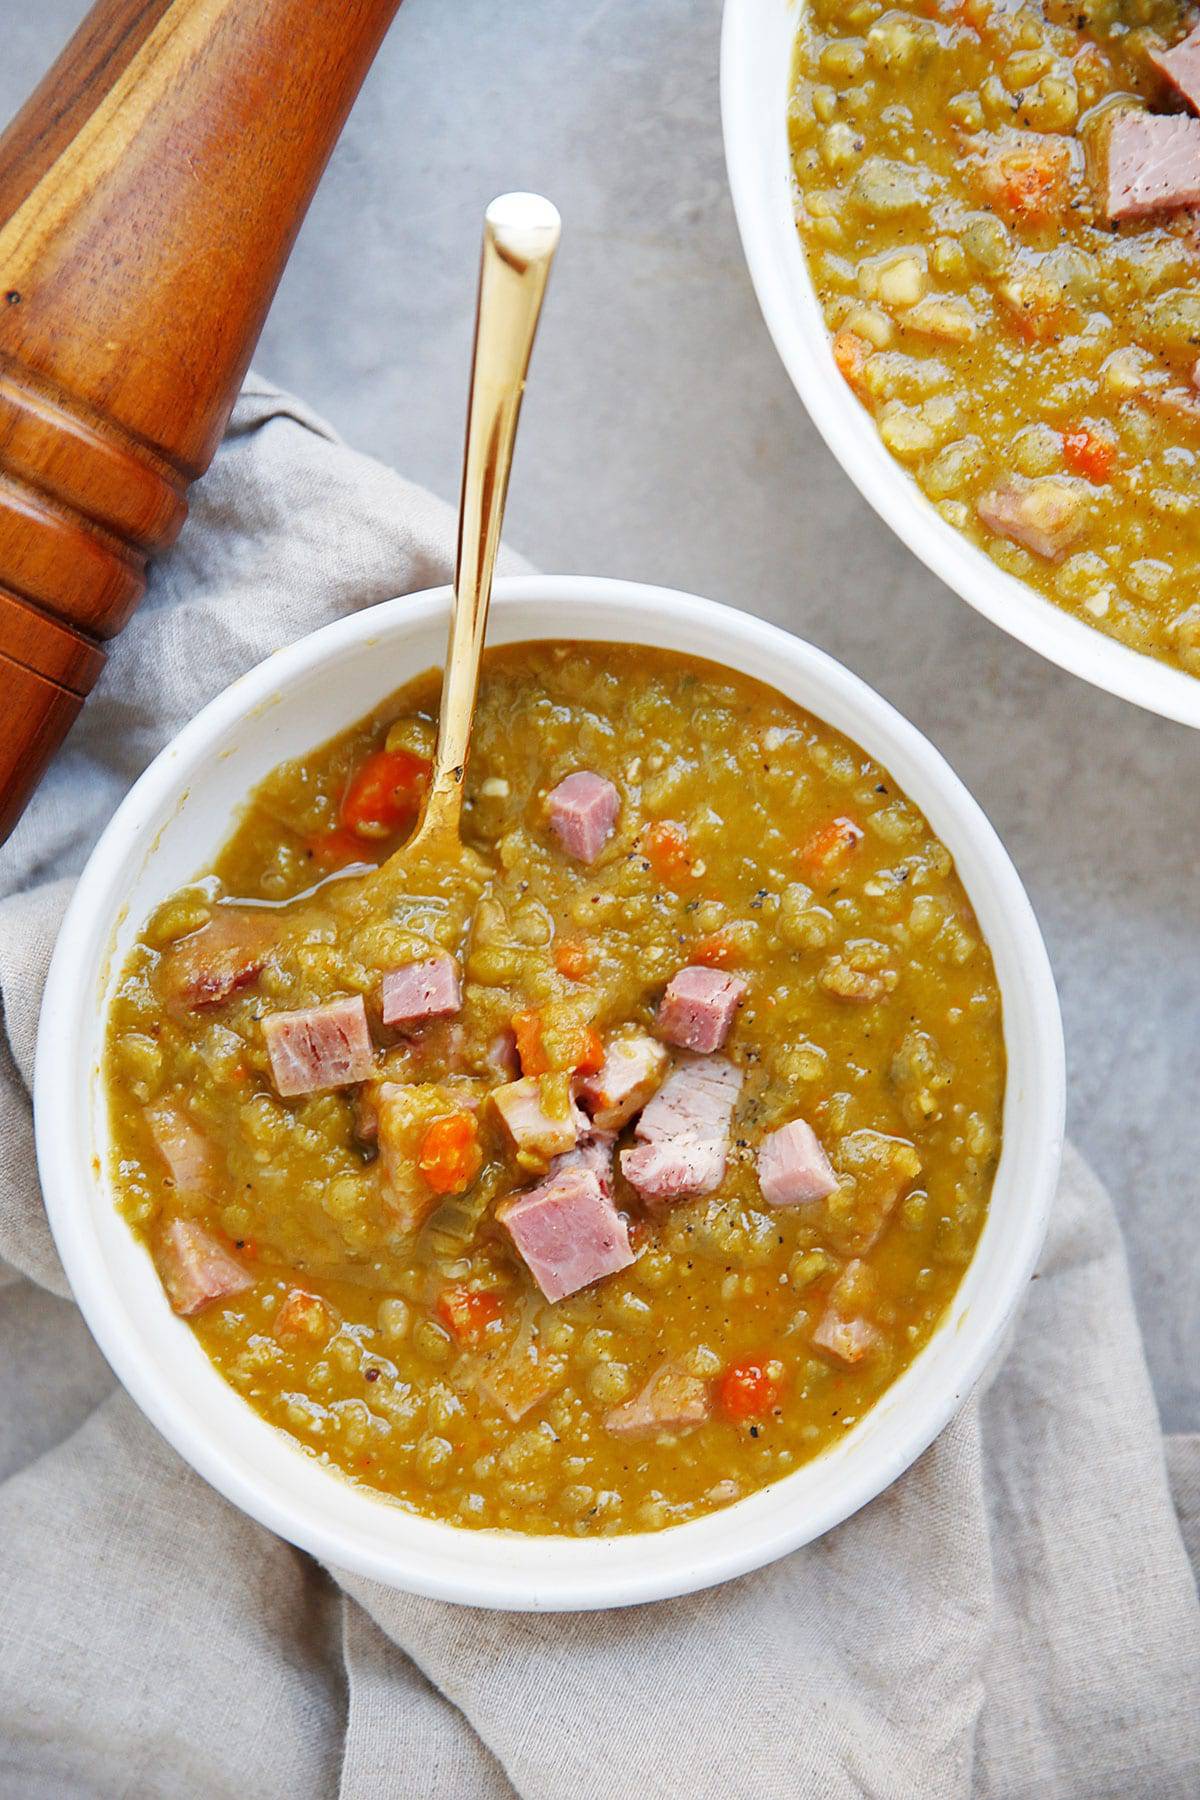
column 380, row 1312
column 1032, row 363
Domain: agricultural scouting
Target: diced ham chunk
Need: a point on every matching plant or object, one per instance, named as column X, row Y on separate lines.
column 673, row 1168
column 594, row 1151
column 183, row 1147
column 847, row 1339
column 538, row 1129
column 697, row 1098
column 567, row 1232
column 429, row 989
column 1181, row 66
column 583, row 813
column 631, row 1074
column 698, row 1007
column 216, row 962
column 1151, row 164
column 671, row 1400
column 792, row 1167
column 196, row 1270
column 1045, row 515
column 684, row 1132
column 319, row 1047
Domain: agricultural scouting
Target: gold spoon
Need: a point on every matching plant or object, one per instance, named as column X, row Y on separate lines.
column 520, row 237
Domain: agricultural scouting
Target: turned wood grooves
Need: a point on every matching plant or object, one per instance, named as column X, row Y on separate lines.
column 150, row 193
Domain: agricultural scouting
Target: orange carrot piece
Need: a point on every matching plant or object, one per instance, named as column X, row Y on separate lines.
column 450, row 1157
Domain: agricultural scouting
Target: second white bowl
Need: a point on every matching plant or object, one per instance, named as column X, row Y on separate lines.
column 756, row 59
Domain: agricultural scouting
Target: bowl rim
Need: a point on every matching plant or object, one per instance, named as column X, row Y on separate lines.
column 530, row 1573
column 754, row 58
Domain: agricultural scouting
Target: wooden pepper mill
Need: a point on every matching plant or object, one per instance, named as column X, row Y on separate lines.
column 150, row 193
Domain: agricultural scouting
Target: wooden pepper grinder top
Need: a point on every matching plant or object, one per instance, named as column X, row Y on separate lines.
column 150, row 193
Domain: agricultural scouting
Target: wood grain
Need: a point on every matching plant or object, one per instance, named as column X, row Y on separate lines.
column 150, row 193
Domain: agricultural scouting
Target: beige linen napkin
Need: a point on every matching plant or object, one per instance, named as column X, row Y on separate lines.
column 1016, row 1616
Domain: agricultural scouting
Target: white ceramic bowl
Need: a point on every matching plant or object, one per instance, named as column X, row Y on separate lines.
column 756, row 58
column 173, row 821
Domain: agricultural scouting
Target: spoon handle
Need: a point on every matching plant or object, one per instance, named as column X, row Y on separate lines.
column 520, row 236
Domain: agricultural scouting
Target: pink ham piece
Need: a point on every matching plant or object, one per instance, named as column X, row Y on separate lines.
column 674, row 1168
column 1181, row 66
column 1151, row 164
column 847, row 1339
column 631, row 1074
column 698, row 1007
column 567, row 1232
column 319, row 1047
column 583, row 813
column 537, row 1133
column 183, row 1147
column 792, row 1166
column 429, row 989
column 1045, row 515
column 223, row 957
column 593, row 1152
column 684, row 1132
column 196, row 1269
column 671, row 1401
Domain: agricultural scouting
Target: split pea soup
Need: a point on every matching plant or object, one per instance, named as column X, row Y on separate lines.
column 998, row 206
column 595, row 1184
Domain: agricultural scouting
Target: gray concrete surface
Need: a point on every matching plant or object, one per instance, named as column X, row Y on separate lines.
column 662, row 440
